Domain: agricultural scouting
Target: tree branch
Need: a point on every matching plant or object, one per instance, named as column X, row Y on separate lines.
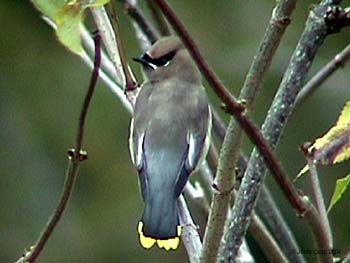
column 135, row 13
column 158, row 18
column 318, row 196
column 312, row 38
column 278, row 226
column 266, row 241
column 109, row 40
column 76, row 156
column 232, row 141
column 323, row 74
column 130, row 82
column 190, row 236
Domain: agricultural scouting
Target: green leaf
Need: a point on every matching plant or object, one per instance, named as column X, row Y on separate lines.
column 49, row 8
column 68, row 15
column 68, row 21
column 340, row 187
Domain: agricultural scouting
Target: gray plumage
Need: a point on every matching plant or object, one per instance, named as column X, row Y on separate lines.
column 169, row 133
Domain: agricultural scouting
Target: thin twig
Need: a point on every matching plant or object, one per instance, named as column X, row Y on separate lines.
column 312, row 38
column 140, row 19
column 107, row 71
column 319, row 200
column 266, row 241
column 278, row 226
column 130, row 82
column 190, row 236
column 323, row 74
column 195, row 193
column 75, row 157
column 103, row 24
column 230, row 149
column 158, row 18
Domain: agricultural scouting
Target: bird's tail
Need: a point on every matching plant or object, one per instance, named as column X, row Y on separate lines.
column 160, row 222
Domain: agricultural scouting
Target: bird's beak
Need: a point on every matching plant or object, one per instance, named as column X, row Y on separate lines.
column 144, row 62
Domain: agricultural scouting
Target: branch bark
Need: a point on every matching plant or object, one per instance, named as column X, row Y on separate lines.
column 312, row 38
column 232, row 141
column 323, row 74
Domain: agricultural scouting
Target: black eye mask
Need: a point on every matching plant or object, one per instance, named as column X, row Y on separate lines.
column 153, row 63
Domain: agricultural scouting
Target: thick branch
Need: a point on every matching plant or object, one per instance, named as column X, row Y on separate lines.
column 230, row 148
column 312, row 38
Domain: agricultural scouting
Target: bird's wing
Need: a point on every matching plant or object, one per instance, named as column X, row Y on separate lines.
column 198, row 141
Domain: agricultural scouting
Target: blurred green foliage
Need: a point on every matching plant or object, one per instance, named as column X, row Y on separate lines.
column 42, row 87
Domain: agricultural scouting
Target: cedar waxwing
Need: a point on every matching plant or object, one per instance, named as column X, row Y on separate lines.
column 169, row 137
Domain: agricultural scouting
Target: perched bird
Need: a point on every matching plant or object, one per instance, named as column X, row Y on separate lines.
column 169, row 137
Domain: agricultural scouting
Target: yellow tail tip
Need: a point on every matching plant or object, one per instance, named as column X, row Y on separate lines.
column 167, row 244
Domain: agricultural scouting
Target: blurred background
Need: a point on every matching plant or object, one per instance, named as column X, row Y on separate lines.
column 42, row 86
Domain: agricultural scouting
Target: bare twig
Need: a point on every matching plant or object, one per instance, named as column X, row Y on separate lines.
column 190, row 236
column 319, row 200
column 107, row 73
column 158, row 18
column 278, row 226
column 130, row 82
column 109, row 40
column 230, row 149
column 266, row 241
column 323, row 74
column 76, row 155
column 312, row 38
column 195, row 193
column 135, row 13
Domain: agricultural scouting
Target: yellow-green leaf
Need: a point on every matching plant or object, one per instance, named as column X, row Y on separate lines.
column 68, row 15
column 49, row 8
column 334, row 146
column 68, row 21
column 340, row 187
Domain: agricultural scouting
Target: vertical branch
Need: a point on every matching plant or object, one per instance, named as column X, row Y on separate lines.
column 139, row 18
column 76, row 155
column 109, row 40
column 280, row 19
column 130, row 82
column 278, row 226
column 266, row 241
column 312, row 38
column 190, row 234
column 158, row 18
column 319, row 200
